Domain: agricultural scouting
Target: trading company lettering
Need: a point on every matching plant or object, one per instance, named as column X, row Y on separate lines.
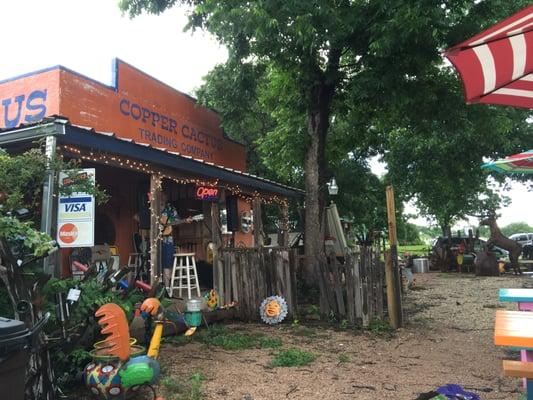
column 154, row 120
column 32, row 107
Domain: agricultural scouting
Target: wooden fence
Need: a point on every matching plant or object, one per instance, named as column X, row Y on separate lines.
column 356, row 286
column 353, row 289
column 249, row 275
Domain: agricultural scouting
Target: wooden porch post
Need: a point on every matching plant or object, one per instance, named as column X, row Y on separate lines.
column 258, row 222
column 218, row 274
column 155, row 239
column 283, row 233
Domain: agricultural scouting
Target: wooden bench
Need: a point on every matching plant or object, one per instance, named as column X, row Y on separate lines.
column 520, row 369
column 515, row 329
column 524, row 298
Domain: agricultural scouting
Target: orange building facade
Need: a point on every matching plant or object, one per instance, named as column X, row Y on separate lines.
column 137, row 120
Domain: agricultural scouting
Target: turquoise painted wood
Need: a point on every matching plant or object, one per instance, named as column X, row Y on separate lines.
column 517, row 295
column 529, row 388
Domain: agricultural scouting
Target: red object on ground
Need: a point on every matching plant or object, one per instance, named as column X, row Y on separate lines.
column 496, row 65
column 143, row 286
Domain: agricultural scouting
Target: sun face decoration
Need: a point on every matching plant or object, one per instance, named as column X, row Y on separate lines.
column 212, row 299
column 273, row 310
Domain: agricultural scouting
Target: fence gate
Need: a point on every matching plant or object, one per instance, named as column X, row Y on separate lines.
column 356, row 286
column 249, row 275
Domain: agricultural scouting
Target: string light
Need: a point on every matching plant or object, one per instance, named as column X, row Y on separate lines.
column 140, row 166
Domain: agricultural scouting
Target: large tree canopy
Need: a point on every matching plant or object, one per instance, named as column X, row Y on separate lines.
column 434, row 156
column 324, row 72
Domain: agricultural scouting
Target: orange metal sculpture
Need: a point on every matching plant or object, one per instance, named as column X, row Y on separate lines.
column 114, row 322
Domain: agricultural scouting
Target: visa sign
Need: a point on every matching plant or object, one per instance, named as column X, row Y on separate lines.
column 23, row 108
column 75, row 207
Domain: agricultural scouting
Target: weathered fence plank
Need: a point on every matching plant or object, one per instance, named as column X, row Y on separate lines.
column 350, row 292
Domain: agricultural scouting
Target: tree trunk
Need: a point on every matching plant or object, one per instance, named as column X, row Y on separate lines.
column 39, row 372
column 318, row 123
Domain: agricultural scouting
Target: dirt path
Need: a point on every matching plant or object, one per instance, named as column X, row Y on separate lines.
column 448, row 339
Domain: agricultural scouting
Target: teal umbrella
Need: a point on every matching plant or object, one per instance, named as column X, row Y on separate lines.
column 516, row 164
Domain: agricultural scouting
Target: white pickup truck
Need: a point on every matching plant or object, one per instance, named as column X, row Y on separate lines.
column 526, row 240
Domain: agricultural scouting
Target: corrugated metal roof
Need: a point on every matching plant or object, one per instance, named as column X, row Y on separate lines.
column 63, row 121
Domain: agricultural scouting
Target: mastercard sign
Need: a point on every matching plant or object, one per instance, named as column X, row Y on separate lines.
column 68, row 233
column 75, row 215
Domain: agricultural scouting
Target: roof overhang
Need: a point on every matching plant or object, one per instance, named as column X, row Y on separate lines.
column 108, row 143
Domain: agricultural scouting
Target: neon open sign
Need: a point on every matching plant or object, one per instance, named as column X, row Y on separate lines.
column 206, row 193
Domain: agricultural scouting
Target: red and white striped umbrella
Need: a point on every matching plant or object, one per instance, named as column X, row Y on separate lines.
column 496, row 66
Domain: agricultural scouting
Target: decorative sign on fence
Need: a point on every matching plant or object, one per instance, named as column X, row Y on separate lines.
column 75, row 213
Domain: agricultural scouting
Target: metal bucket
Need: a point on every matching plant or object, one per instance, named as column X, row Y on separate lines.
column 194, row 305
column 420, row 265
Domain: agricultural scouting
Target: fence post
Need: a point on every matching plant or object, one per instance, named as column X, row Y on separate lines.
column 283, row 232
column 218, row 274
column 392, row 271
column 258, row 222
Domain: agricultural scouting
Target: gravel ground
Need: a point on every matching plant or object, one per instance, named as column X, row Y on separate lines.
column 447, row 339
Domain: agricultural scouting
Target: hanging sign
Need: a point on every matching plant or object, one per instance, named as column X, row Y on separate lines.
column 75, row 213
column 206, row 193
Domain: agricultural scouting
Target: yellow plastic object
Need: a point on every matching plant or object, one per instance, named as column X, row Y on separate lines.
column 151, row 305
column 273, row 309
column 190, row 331
column 100, row 354
column 501, row 266
column 113, row 322
column 102, row 344
column 212, row 300
column 155, row 343
column 113, row 250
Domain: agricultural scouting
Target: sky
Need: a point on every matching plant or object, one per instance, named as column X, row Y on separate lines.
column 86, row 35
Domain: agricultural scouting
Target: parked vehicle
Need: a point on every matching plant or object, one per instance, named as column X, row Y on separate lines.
column 526, row 240
column 454, row 244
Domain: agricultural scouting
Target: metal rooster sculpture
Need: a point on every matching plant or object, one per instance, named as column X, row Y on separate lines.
column 115, row 373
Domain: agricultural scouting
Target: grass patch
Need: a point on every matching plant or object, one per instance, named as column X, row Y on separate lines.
column 190, row 389
column 292, row 357
column 414, row 249
column 221, row 336
column 344, row 358
column 380, row 326
column 269, row 343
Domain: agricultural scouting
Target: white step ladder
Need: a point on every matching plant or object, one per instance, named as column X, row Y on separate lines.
column 184, row 275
